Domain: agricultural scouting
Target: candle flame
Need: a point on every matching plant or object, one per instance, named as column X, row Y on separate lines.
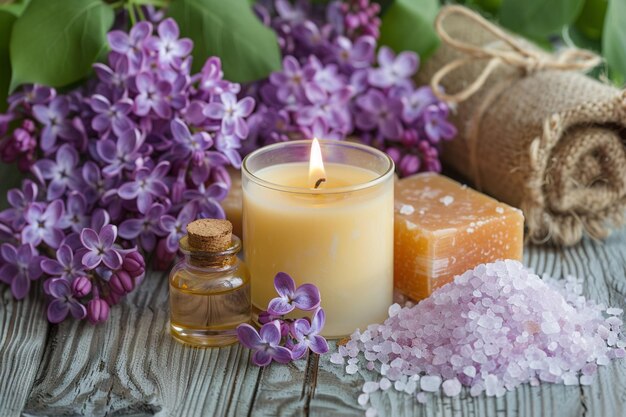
column 317, row 174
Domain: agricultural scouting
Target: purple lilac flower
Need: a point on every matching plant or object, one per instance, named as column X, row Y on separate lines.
column 167, row 45
column 175, row 227
column 130, row 44
column 31, row 95
column 54, row 119
column 147, row 185
column 119, row 155
column 305, row 297
column 232, row 113
column 111, row 115
column 44, row 223
column 113, row 77
column 19, row 200
column 121, row 282
column 392, row 69
column 152, row 96
column 20, row 267
column 353, row 55
column 211, row 80
column 207, row 200
column 97, row 311
column 61, row 173
column 436, row 125
column 264, row 343
column 76, row 216
column 290, row 81
column 380, row 112
column 414, row 104
column 100, row 248
column 147, row 228
column 81, row 287
column 66, row 265
column 192, row 147
column 134, row 264
column 63, row 302
column 94, row 184
column 307, row 335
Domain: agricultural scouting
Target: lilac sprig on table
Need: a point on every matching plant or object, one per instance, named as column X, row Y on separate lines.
column 118, row 168
column 334, row 85
column 281, row 339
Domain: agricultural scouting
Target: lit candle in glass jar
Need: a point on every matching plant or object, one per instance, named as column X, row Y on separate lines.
column 323, row 213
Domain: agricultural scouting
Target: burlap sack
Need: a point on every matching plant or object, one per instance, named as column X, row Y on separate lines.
column 550, row 142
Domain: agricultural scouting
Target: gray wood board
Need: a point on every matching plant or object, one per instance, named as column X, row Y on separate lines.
column 130, row 365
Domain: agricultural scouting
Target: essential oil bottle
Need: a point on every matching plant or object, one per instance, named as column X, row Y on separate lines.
column 209, row 287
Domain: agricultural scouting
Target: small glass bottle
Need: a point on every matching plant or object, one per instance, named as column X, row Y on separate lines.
column 209, row 287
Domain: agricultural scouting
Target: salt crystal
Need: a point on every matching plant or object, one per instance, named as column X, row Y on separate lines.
column 451, row 387
column 430, row 383
column 410, row 386
column 394, row 309
column 370, row 386
column 336, row 358
column 407, row 209
column 363, row 399
column 352, row 369
column 469, row 371
column 385, row 384
column 447, row 200
column 500, row 318
column 550, row 327
column 421, row 398
column 499, row 210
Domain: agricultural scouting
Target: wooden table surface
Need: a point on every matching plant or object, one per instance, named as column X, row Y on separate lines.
column 131, row 366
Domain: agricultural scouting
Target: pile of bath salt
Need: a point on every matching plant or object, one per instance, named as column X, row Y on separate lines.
column 491, row 329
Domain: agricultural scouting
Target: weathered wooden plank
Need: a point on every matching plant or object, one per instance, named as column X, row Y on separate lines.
column 131, row 366
column 23, row 332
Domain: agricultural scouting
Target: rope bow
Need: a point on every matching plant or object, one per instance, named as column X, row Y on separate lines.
column 521, row 56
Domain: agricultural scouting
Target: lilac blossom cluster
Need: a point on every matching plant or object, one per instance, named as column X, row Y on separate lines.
column 119, row 167
column 333, row 85
column 280, row 339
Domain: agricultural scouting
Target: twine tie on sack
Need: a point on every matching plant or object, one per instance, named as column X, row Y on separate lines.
column 520, row 56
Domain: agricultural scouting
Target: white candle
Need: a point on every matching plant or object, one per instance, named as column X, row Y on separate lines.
column 338, row 236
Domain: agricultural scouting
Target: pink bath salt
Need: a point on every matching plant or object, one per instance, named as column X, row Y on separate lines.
column 493, row 328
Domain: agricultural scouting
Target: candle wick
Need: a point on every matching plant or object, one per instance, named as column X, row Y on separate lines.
column 319, row 182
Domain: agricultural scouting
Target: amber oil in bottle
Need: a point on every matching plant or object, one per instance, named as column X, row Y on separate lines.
column 209, row 287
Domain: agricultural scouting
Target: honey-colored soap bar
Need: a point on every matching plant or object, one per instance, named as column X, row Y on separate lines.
column 443, row 228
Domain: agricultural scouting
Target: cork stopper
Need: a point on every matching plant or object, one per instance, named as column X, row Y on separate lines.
column 209, row 235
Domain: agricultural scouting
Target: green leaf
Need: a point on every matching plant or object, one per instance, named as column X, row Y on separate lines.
column 408, row 25
column 15, row 7
column 56, row 42
column 614, row 39
column 539, row 18
column 591, row 19
column 6, row 24
column 230, row 30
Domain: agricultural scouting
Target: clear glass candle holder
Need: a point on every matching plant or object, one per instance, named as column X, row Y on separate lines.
column 338, row 237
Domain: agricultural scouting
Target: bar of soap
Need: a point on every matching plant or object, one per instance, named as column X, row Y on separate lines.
column 443, row 228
